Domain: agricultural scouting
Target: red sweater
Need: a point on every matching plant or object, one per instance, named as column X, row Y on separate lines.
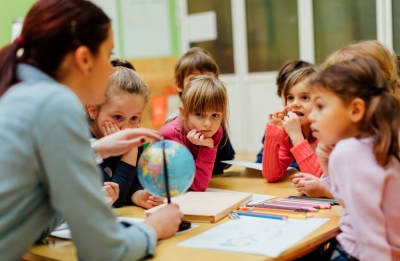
column 204, row 157
column 279, row 153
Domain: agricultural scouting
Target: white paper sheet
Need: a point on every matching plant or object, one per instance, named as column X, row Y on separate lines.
column 253, row 235
column 63, row 231
column 247, row 164
column 256, row 198
column 202, row 27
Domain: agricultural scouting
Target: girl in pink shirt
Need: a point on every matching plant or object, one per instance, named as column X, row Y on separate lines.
column 288, row 134
column 354, row 112
column 199, row 126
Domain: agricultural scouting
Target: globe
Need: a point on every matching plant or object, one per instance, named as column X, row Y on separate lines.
column 180, row 164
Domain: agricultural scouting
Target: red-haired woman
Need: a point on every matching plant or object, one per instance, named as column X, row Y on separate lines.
column 47, row 169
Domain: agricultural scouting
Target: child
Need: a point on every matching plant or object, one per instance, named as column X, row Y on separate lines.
column 203, row 114
column 288, row 134
column 309, row 185
column 198, row 61
column 283, row 74
column 354, row 110
column 122, row 108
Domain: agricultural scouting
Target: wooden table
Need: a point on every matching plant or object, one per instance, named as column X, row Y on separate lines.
column 235, row 179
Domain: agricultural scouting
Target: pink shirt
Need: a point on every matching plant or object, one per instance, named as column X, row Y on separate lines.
column 279, row 153
column 370, row 195
column 204, row 157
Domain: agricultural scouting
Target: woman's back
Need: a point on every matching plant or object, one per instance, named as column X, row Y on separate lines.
column 48, row 169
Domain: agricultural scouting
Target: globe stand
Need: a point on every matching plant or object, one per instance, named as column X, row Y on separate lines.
column 184, row 225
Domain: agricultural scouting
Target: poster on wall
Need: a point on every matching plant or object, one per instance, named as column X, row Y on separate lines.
column 145, row 28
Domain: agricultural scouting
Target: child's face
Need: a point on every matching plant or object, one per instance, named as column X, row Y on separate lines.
column 124, row 110
column 206, row 123
column 330, row 118
column 190, row 76
column 298, row 98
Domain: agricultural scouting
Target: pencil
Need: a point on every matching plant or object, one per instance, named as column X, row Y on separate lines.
column 296, row 216
column 332, row 201
column 310, row 209
column 295, row 209
column 259, row 215
column 310, row 204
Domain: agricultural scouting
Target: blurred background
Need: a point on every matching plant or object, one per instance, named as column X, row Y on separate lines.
column 249, row 39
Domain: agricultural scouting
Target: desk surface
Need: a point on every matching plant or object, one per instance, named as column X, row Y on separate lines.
column 236, row 179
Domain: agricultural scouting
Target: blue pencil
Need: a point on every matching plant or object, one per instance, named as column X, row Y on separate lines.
column 259, row 215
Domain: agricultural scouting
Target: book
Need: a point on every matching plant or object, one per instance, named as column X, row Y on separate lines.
column 207, row 206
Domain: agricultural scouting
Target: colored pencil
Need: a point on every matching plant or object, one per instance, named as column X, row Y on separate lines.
column 296, row 216
column 331, row 201
column 259, row 215
column 292, row 206
column 311, row 204
column 277, row 211
column 277, row 207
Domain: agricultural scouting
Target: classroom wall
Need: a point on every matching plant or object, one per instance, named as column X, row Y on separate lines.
column 10, row 10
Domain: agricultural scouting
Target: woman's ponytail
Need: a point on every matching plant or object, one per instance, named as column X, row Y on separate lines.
column 8, row 61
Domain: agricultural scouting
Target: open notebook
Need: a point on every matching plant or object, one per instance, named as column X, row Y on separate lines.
column 207, row 206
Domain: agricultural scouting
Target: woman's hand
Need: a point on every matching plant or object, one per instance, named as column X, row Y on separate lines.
column 197, row 138
column 310, row 186
column 111, row 191
column 144, row 199
column 276, row 119
column 123, row 141
column 292, row 126
column 165, row 221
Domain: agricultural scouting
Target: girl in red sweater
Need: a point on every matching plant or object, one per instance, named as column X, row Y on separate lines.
column 288, row 134
column 199, row 126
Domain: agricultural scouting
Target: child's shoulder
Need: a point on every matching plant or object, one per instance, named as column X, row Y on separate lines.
column 353, row 147
column 171, row 127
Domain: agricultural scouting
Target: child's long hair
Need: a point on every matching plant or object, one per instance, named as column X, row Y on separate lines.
column 194, row 59
column 362, row 78
column 124, row 80
column 203, row 94
column 305, row 75
column 386, row 59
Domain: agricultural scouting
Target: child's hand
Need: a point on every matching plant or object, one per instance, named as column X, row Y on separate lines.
column 111, row 191
column 323, row 151
column 144, row 199
column 292, row 126
column 276, row 118
column 109, row 128
column 310, row 186
column 197, row 138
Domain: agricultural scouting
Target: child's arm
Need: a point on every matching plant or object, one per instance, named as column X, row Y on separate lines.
column 125, row 171
column 276, row 156
column 205, row 163
column 306, row 158
column 360, row 183
column 323, row 151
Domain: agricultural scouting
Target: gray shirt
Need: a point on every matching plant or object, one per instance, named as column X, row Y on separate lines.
column 47, row 169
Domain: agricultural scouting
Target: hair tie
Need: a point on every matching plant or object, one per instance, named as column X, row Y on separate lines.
column 123, row 64
column 379, row 91
column 19, row 41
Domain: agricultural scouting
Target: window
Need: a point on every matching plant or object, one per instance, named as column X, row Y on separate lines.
column 338, row 23
column 272, row 33
column 221, row 48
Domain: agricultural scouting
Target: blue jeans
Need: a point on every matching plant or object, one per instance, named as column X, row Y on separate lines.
column 339, row 254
